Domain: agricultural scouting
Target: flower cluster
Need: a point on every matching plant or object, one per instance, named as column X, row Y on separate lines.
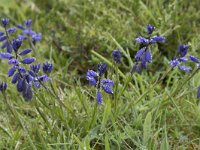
column 95, row 79
column 181, row 59
column 23, row 72
column 143, row 56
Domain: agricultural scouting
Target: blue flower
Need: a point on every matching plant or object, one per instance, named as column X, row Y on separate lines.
column 194, row 59
column 3, row 87
column 16, row 44
column 95, row 79
column 28, row 60
column 5, row 22
column 47, row 67
column 142, row 40
column 28, row 23
column 101, row 68
column 185, row 68
column 6, row 56
column 116, row 54
column 11, row 30
column 174, row 62
column 150, row 29
column 35, row 68
column 24, row 52
column 106, row 85
column 138, row 67
column 182, row 50
column 156, row 39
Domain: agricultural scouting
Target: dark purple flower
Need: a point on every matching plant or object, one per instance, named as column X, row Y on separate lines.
column 1, row 33
column 47, row 67
column 43, row 78
column 139, row 54
column 28, row 60
column 28, row 23
column 174, row 62
column 36, row 37
column 183, row 59
column 35, row 68
column 24, row 52
column 142, row 40
column 150, row 28
column 16, row 44
column 15, row 78
column 20, row 27
column 156, row 39
column 3, row 38
column 185, row 68
column 101, row 68
column 13, row 62
column 182, row 50
column 27, row 93
column 11, row 71
column 138, row 67
column 21, row 37
column 5, row 22
column 91, row 77
column 11, row 30
column 193, row 58
column 106, row 85
column 146, row 57
column 116, row 54
column 6, row 55
column 3, row 86
column 99, row 97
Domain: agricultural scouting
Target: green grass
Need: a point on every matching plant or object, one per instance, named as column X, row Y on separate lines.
column 144, row 113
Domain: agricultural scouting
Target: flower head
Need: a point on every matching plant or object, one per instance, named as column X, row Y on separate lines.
column 182, row 50
column 101, row 68
column 150, row 29
column 116, row 54
column 5, row 22
column 47, row 67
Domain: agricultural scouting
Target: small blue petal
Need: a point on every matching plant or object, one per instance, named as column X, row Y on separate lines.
column 150, row 29
column 28, row 60
column 2, row 38
column 156, row 39
column 185, row 68
column 142, row 40
column 107, row 82
column 13, row 62
column 5, row 22
column 101, row 68
column 15, row 78
column 1, row 33
column 6, row 55
column 92, row 73
column 11, row 71
column 182, row 50
column 183, row 59
column 91, row 80
column 139, row 54
column 24, row 52
column 20, row 27
column 194, row 59
column 11, row 30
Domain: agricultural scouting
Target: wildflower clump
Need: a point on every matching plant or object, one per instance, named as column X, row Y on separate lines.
column 95, row 79
column 24, row 73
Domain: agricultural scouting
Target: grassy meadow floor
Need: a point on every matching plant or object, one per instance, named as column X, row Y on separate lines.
column 145, row 113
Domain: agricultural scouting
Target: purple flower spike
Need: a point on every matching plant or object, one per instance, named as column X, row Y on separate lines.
column 28, row 60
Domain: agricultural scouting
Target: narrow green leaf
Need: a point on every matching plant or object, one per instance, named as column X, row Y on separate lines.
column 147, row 128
